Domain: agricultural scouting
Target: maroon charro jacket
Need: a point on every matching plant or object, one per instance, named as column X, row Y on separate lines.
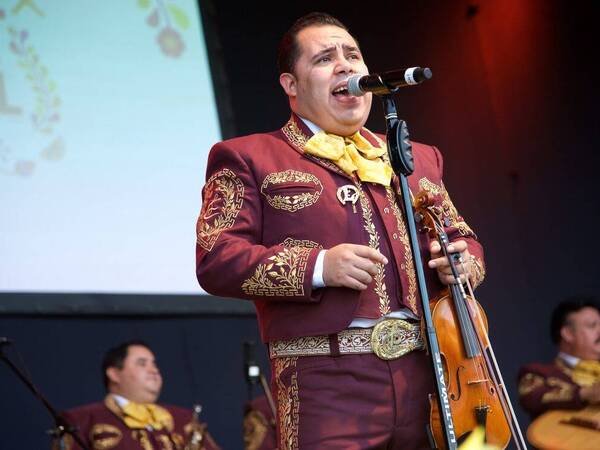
column 101, row 426
column 268, row 209
column 545, row 387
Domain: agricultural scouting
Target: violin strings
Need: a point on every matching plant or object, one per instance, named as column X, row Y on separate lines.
column 462, row 300
column 497, row 375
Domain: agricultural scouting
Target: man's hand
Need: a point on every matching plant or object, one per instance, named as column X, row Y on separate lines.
column 591, row 394
column 440, row 262
column 350, row 265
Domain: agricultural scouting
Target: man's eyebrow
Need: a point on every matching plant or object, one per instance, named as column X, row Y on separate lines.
column 331, row 49
column 325, row 51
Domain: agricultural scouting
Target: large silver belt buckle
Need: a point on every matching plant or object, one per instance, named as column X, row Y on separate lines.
column 392, row 338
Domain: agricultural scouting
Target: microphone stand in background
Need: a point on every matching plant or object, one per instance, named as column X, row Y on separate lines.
column 62, row 425
column 254, row 375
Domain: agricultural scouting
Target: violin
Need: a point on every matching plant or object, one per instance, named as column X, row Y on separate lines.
column 476, row 392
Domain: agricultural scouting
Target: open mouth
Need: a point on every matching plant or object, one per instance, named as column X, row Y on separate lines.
column 341, row 91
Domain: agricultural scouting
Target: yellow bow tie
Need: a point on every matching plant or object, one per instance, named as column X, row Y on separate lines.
column 586, row 372
column 143, row 415
column 352, row 154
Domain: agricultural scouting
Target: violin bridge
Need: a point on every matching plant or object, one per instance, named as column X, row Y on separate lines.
column 481, row 413
column 485, row 380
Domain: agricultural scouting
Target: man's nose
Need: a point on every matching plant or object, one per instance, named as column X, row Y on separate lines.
column 344, row 66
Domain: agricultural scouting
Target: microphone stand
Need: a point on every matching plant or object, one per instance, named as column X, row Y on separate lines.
column 62, row 425
column 401, row 160
column 254, row 375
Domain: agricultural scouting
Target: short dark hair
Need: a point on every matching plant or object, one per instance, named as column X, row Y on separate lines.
column 566, row 307
column 115, row 357
column 289, row 50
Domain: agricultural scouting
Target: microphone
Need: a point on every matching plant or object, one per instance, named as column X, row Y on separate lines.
column 387, row 82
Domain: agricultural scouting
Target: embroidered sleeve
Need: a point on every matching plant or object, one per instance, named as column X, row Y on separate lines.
column 477, row 271
column 222, row 201
column 231, row 260
column 541, row 391
column 451, row 217
column 559, row 391
column 281, row 274
column 455, row 225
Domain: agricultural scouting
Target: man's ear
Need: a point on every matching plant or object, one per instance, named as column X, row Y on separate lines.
column 566, row 334
column 288, row 83
column 113, row 374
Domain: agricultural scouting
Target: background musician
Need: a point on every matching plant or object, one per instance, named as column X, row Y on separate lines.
column 129, row 417
column 572, row 380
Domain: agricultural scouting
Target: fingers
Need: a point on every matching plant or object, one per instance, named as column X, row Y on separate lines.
column 352, row 266
column 449, row 279
column 445, row 271
column 454, row 247
column 368, row 265
column 435, row 248
column 457, row 247
column 360, row 276
column 442, row 265
column 369, row 253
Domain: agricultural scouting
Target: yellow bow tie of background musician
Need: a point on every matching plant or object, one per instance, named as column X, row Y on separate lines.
column 352, row 154
column 586, row 372
column 138, row 415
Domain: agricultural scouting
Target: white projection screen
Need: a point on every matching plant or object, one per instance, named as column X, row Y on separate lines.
column 107, row 113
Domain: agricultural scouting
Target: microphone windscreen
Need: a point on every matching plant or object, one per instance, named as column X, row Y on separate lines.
column 427, row 74
column 354, row 86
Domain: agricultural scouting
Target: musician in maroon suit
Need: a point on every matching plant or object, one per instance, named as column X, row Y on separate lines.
column 129, row 417
column 572, row 380
column 305, row 221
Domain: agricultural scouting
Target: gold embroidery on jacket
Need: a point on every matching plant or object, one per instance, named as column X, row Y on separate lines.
column 380, row 287
column 562, row 391
column 294, row 134
column 255, row 430
column 105, row 442
column 223, row 199
column 282, row 274
column 448, row 209
column 297, row 201
column 166, row 442
column 142, row 437
column 408, row 265
column 478, row 271
column 288, row 404
column 178, row 440
column 529, row 383
column 289, row 242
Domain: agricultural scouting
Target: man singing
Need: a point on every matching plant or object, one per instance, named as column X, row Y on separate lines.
column 306, row 222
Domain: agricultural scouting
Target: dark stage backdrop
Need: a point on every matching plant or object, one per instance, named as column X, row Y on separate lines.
column 512, row 108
